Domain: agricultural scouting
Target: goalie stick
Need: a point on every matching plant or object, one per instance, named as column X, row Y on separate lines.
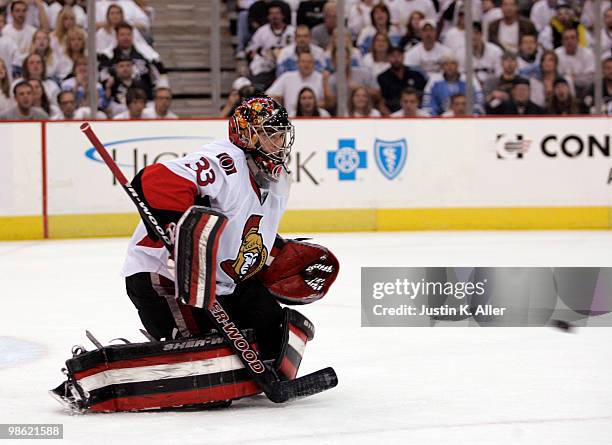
column 278, row 391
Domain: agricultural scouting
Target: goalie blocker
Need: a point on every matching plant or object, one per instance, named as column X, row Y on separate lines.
column 178, row 373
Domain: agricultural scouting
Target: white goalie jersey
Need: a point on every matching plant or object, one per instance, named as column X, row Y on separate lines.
column 218, row 175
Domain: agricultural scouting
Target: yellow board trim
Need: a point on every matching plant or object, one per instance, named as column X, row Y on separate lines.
column 507, row 218
column 524, row 218
column 13, row 228
column 98, row 225
column 346, row 220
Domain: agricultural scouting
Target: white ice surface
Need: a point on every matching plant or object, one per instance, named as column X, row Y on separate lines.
column 397, row 385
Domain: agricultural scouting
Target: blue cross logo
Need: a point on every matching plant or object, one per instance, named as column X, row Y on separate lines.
column 347, row 159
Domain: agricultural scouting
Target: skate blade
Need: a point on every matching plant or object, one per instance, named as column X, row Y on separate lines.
column 67, row 404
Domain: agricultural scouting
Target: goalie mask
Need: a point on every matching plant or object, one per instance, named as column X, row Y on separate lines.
column 260, row 126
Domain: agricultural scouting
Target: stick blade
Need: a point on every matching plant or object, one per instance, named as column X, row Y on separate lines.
column 304, row 386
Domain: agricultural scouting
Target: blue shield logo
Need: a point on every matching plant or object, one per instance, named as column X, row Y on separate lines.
column 390, row 156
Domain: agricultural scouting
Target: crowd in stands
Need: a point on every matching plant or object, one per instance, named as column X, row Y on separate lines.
column 407, row 57
column 403, row 58
column 44, row 62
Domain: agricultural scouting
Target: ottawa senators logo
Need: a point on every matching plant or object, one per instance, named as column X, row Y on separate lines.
column 252, row 254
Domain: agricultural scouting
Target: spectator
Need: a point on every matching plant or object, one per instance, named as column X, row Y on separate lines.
column 56, row 7
column 136, row 100
column 542, row 84
column 377, row 60
column 40, row 99
column 240, row 84
column 24, row 110
column 497, row 90
column 576, row 62
column 66, row 20
column 381, row 23
column 161, row 105
column 552, row 36
column 146, row 13
column 486, row 57
column 150, row 72
column 355, row 77
column 507, row 31
column 562, row 101
column 454, row 38
column 36, row 15
column 524, row 8
column 248, row 91
column 19, row 31
column 228, row 107
column 106, row 36
column 258, row 14
column 356, row 56
column 360, row 16
column 310, row 12
column 74, row 48
column 410, row 102
column 243, row 33
column 427, row 53
column 41, row 45
column 79, row 83
column 528, row 56
column 449, row 15
column 68, row 110
column 287, row 58
column 307, row 105
column 34, row 68
column 322, row 33
column 122, row 78
column 266, row 44
column 401, row 10
column 397, row 78
column 541, row 13
column 441, row 87
column 133, row 11
column 9, row 54
column 285, row 89
column 606, row 32
column 5, row 88
column 490, row 13
column 588, row 102
column 413, row 31
column 360, row 104
column 519, row 102
column 457, row 107
column 587, row 18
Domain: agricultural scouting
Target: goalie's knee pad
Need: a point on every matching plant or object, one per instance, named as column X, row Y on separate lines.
column 296, row 330
column 144, row 376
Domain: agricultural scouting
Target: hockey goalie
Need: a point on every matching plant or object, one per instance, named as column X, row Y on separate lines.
column 221, row 208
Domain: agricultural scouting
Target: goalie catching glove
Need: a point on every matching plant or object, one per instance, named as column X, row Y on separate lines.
column 300, row 272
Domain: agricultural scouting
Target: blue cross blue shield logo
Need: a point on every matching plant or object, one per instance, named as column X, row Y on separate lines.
column 390, row 156
column 347, row 160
